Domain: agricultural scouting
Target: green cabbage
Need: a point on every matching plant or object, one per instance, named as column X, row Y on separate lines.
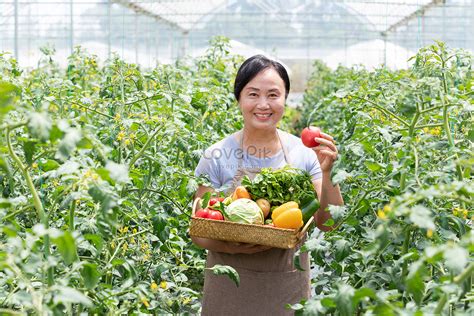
column 244, row 211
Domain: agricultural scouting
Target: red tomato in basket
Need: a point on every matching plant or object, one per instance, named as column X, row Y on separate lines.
column 213, row 201
column 202, row 213
column 211, row 214
column 215, row 215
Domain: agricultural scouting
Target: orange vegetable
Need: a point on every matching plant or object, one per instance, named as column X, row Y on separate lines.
column 240, row 193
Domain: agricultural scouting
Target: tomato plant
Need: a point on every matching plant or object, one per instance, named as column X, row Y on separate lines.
column 97, row 174
column 405, row 139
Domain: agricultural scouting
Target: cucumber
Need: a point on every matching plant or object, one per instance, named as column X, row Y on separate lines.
column 309, row 206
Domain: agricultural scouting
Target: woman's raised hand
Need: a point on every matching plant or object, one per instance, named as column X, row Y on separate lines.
column 326, row 151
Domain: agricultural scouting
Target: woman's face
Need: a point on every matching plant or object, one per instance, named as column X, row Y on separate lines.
column 262, row 100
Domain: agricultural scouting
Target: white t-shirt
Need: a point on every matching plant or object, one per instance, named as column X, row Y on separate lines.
column 220, row 161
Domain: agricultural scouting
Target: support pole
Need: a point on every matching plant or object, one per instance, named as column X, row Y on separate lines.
column 71, row 22
column 136, row 37
column 15, row 36
column 109, row 28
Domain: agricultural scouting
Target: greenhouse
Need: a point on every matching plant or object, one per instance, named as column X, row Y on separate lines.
column 236, row 157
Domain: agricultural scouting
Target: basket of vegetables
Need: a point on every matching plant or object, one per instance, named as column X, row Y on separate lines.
column 274, row 209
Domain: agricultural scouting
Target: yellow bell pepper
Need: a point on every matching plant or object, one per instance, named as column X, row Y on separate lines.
column 288, row 215
column 284, row 207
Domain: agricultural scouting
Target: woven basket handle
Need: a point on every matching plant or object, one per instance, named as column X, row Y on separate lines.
column 305, row 228
column 196, row 204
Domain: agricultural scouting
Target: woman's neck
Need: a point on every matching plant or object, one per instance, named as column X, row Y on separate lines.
column 263, row 142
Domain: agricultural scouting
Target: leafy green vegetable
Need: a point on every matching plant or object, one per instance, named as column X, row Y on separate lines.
column 280, row 186
column 244, row 211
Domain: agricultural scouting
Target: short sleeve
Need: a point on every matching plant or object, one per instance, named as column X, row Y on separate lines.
column 312, row 165
column 208, row 166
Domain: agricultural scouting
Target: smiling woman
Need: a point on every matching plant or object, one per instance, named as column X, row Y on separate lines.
column 261, row 88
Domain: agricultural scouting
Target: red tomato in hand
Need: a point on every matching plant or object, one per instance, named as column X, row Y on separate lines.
column 308, row 135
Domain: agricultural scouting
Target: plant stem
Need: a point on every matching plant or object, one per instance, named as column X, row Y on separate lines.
column 383, row 110
column 36, row 200
column 406, row 244
column 142, row 150
column 465, row 274
column 72, row 209
column 437, row 107
column 93, row 110
column 450, row 136
column 415, row 153
column 411, row 134
column 428, row 125
column 135, row 234
column 143, row 99
column 441, row 303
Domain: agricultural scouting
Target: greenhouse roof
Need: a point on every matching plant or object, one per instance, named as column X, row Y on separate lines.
column 188, row 15
column 146, row 31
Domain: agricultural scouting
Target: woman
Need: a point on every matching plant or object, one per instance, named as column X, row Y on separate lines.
column 268, row 278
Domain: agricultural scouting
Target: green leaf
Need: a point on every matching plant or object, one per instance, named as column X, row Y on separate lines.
column 4, row 165
column 361, row 293
column 373, row 166
column 342, row 249
column 296, row 262
column 8, row 94
column 422, row 217
column 456, row 258
column 329, row 222
column 104, row 174
column 341, row 93
column 344, row 300
column 96, row 240
column 85, row 143
column 328, row 302
column 337, row 211
column 90, row 275
column 226, row 270
column 383, row 309
column 66, row 247
column 70, row 295
column 118, row 172
column 106, row 198
column 68, row 144
column 340, row 176
column 5, row 203
column 55, row 133
column 414, row 282
column 48, row 165
column 160, row 227
column 29, row 148
column 205, row 199
column 39, row 125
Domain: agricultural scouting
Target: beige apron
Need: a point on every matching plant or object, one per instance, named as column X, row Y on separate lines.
column 268, row 279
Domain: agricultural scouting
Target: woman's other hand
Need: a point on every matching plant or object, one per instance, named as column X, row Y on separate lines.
column 326, row 151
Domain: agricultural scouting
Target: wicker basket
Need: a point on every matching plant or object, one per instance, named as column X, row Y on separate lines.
column 246, row 233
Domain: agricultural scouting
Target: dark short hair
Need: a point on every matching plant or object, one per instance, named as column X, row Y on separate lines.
column 252, row 67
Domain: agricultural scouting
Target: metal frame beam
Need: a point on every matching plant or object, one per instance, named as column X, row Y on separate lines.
column 140, row 10
column 420, row 11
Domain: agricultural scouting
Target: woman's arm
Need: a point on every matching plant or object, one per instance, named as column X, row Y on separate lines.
column 328, row 193
column 223, row 246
